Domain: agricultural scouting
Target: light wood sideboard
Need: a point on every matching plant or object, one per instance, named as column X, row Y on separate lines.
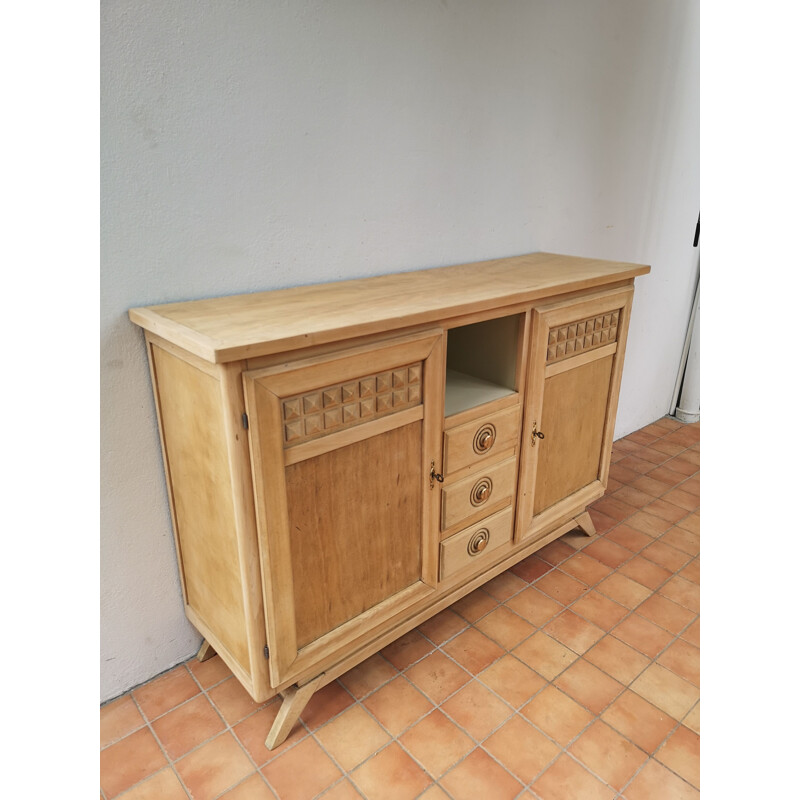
column 343, row 461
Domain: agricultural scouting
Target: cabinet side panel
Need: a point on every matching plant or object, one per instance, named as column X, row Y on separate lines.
column 573, row 421
column 191, row 414
column 354, row 522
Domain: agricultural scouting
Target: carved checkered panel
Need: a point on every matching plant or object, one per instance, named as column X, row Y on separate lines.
column 586, row 334
column 307, row 416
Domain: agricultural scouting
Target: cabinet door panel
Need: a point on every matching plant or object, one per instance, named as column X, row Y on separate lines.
column 365, row 501
column 341, row 449
column 573, row 414
column 577, row 349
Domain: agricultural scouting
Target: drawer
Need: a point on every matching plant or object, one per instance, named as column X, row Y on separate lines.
column 471, row 547
column 481, row 490
column 481, row 439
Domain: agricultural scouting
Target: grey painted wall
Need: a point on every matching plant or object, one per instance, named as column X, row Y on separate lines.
column 254, row 144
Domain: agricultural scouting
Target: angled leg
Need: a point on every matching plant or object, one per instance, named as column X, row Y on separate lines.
column 205, row 652
column 584, row 522
column 295, row 699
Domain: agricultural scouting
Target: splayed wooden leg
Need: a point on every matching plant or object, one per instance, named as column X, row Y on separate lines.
column 584, row 522
column 205, row 652
column 295, row 699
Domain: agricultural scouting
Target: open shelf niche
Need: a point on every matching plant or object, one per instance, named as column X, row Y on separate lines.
column 481, row 362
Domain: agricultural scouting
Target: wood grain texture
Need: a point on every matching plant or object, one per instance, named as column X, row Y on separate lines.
column 351, row 435
column 568, row 508
column 452, row 589
column 205, row 651
column 232, row 393
column 582, row 358
column 573, row 422
column 584, row 522
column 355, row 521
column 536, row 515
column 461, row 500
column 455, row 553
column 196, row 454
column 577, row 337
column 462, row 445
column 295, row 699
column 344, row 405
column 292, row 649
column 247, row 326
column 329, row 535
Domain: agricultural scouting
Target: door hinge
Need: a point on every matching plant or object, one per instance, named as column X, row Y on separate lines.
column 266, row 651
column 245, row 422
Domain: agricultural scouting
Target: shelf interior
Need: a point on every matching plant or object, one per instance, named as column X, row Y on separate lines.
column 466, row 391
column 482, row 362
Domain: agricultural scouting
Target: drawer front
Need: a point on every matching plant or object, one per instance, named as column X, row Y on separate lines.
column 478, row 441
column 482, row 490
column 471, row 547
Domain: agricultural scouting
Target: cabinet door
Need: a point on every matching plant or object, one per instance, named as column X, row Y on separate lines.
column 577, row 349
column 341, row 451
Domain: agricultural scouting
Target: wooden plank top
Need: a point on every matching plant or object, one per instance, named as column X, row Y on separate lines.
column 248, row 325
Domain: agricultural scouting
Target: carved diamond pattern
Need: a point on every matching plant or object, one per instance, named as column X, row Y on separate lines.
column 334, row 408
column 313, row 424
column 333, row 419
column 293, row 431
column 312, row 403
column 292, row 409
column 332, row 397
column 349, row 392
column 367, row 407
column 575, row 337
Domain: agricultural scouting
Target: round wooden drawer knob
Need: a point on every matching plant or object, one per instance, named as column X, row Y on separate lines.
column 484, row 439
column 480, row 492
column 478, row 542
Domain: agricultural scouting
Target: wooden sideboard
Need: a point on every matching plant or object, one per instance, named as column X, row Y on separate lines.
column 345, row 460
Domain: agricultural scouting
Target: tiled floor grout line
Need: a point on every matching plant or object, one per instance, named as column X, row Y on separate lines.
column 666, row 766
column 500, row 600
column 517, row 712
column 438, row 707
column 653, row 659
column 229, row 728
column 148, row 722
column 615, row 626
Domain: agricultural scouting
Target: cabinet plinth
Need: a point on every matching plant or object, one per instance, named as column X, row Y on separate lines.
column 344, row 461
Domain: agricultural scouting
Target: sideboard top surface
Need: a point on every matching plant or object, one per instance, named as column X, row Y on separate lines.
column 249, row 325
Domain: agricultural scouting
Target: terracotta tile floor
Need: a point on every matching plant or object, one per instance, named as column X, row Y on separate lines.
column 573, row 675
